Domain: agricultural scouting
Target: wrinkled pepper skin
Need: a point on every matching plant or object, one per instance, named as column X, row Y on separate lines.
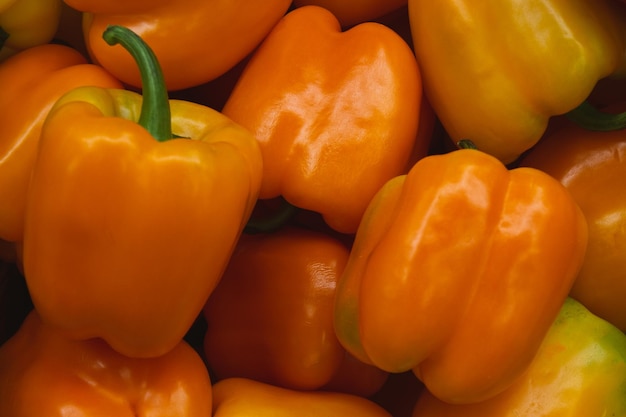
column 579, row 371
column 335, row 113
column 458, row 267
column 27, row 23
column 591, row 166
column 31, row 82
column 352, row 12
column 270, row 317
column 43, row 373
column 241, row 397
column 495, row 75
column 195, row 42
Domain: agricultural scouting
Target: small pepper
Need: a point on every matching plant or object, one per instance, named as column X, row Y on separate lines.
column 579, row 371
column 457, row 268
column 27, row 23
column 270, row 317
column 43, row 373
column 128, row 228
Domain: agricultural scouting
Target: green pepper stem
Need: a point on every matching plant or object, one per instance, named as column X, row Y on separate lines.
column 589, row 117
column 4, row 35
column 155, row 114
column 281, row 217
column 466, row 144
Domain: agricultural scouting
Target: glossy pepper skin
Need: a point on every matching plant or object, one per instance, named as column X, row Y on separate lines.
column 42, row 373
column 335, row 113
column 495, row 75
column 352, row 12
column 457, row 267
column 270, row 317
column 579, row 371
column 591, row 166
column 241, row 397
column 27, row 23
column 126, row 236
column 31, row 82
column 195, row 42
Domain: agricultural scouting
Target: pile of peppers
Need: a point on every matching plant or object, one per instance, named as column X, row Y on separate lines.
column 377, row 208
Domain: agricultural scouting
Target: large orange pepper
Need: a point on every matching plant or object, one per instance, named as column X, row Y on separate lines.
column 241, row 397
column 579, row 371
column 335, row 113
column 43, row 373
column 195, row 41
column 457, row 271
column 126, row 235
column 270, row 317
column 496, row 73
column 31, row 82
column 591, row 166
column 351, row 12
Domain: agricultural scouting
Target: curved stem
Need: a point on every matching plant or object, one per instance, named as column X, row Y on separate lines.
column 466, row 144
column 4, row 35
column 155, row 109
column 590, row 118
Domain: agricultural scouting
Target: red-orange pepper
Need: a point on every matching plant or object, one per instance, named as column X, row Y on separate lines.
column 351, row 12
column 42, row 373
column 457, row 271
column 195, row 41
column 335, row 113
column 270, row 318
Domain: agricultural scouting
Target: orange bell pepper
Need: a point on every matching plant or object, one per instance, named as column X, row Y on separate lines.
column 457, row 271
column 335, row 113
column 351, row 12
column 31, row 82
column 43, row 373
column 270, row 318
column 126, row 235
column 579, row 371
column 591, row 166
column 194, row 41
column 241, row 397
column 27, row 23
column 496, row 73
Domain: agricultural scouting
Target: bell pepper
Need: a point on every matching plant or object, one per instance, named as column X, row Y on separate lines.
column 27, row 23
column 457, row 268
column 134, row 208
column 352, row 12
column 335, row 113
column 31, row 82
column 591, row 166
column 270, row 318
column 579, row 371
column 195, row 42
column 240, row 397
column 43, row 373
column 495, row 75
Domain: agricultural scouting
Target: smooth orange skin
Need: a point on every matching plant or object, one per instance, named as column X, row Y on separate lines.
column 241, row 397
column 460, row 267
column 271, row 316
column 351, row 12
column 31, row 82
column 195, row 42
column 126, row 237
column 591, row 166
column 335, row 113
column 43, row 373
column 499, row 91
